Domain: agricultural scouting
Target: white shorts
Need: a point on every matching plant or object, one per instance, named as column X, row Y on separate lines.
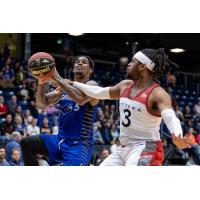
column 140, row 153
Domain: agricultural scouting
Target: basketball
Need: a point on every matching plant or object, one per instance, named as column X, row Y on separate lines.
column 41, row 64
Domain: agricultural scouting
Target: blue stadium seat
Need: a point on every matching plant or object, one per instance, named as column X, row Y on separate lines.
column 2, row 120
column 190, row 104
column 179, row 91
column 186, row 91
column 182, row 103
column 8, row 94
column 184, row 97
column 181, row 108
column 191, row 98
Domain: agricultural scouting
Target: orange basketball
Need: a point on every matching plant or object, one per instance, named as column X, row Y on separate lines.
column 41, row 64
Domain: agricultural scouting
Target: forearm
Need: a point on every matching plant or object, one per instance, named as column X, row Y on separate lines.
column 41, row 99
column 72, row 92
column 172, row 122
column 93, row 91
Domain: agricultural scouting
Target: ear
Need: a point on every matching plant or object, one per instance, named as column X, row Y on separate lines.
column 142, row 67
column 90, row 70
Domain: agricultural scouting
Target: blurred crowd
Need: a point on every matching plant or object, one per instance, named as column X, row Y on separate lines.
column 20, row 118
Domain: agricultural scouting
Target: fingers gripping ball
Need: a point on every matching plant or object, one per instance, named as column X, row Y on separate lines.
column 41, row 65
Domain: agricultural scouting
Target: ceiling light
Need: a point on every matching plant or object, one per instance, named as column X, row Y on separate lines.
column 59, row 41
column 177, row 50
column 75, row 34
column 124, row 60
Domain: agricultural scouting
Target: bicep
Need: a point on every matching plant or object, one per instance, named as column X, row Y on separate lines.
column 163, row 100
column 114, row 92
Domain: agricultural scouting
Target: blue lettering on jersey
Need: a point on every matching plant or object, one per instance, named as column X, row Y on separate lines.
column 67, row 105
column 65, row 109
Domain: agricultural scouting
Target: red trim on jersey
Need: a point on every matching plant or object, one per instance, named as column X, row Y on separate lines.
column 127, row 91
column 157, row 155
column 142, row 97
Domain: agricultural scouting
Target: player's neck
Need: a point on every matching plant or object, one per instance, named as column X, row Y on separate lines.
column 81, row 79
column 143, row 82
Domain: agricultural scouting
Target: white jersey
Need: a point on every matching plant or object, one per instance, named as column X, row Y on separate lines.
column 136, row 122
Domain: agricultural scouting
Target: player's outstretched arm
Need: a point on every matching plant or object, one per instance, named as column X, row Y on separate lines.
column 163, row 101
column 102, row 92
column 74, row 93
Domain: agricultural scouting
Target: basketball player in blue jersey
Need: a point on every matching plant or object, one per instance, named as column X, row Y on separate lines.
column 73, row 146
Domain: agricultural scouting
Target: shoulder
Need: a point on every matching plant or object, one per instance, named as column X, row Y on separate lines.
column 160, row 92
column 91, row 82
column 118, row 89
column 160, row 95
column 125, row 82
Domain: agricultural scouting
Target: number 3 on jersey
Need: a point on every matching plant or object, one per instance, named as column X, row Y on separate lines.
column 127, row 121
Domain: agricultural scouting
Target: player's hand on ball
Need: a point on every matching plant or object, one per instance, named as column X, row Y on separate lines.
column 55, row 76
column 180, row 142
column 42, row 80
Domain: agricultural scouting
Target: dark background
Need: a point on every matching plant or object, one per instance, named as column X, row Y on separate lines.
column 111, row 46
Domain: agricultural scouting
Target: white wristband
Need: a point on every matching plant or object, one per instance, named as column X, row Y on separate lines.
column 93, row 91
column 172, row 122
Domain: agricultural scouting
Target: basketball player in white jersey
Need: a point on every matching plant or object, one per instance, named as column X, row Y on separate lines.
column 143, row 104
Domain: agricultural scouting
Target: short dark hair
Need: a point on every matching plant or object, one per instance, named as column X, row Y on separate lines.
column 88, row 57
column 16, row 149
column 8, row 114
column 2, row 147
column 105, row 149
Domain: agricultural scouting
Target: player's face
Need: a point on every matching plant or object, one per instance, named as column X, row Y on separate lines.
column 133, row 70
column 82, row 66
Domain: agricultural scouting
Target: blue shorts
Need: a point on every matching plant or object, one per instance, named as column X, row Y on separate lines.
column 67, row 152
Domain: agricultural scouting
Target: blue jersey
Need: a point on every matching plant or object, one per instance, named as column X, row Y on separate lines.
column 75, row 121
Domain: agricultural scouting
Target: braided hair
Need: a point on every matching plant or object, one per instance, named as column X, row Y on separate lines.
column 161, row 60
